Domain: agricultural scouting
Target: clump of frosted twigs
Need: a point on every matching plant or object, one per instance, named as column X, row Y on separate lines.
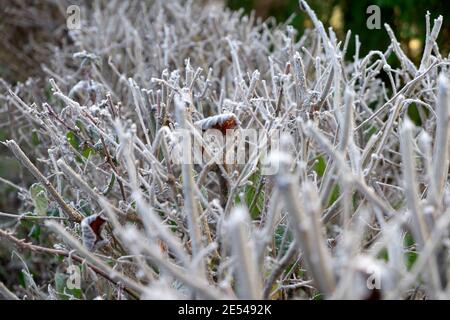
column 357, row 208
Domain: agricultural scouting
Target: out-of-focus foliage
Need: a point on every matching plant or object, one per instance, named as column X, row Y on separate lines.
column 406, row 18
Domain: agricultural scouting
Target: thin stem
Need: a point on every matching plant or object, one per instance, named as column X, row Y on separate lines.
column 20, row 155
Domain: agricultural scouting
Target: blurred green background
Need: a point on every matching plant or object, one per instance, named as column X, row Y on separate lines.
column 406, row 18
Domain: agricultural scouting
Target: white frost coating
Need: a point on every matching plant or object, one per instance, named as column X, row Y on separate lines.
column 352, row 176
column 245, row 268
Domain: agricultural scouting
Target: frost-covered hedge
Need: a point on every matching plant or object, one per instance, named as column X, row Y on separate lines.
column 358, row 208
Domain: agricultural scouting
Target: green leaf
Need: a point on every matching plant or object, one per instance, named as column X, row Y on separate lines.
column 173, row 225
column 79, row 159
column 250, row 194
column 334, row 195
column 278, row 239
column 84, row 207
column 73, row 140
column 53, row 212
column 93, row 133
column 80, row 125
column 21, row 279
column 3, row 135
column 35, row 139
column 48, row 93
column 370, row 131
column 76, row 143
column 39, row 197
column 61, row 287
column 87, row 152
column 383, row 255
column 110, row 184
column 411, row 257
column 414, row 115
column 35, row 232
column 319, row 296
column 320, row 166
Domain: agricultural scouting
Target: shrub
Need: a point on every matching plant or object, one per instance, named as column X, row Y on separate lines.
column 358, row 206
